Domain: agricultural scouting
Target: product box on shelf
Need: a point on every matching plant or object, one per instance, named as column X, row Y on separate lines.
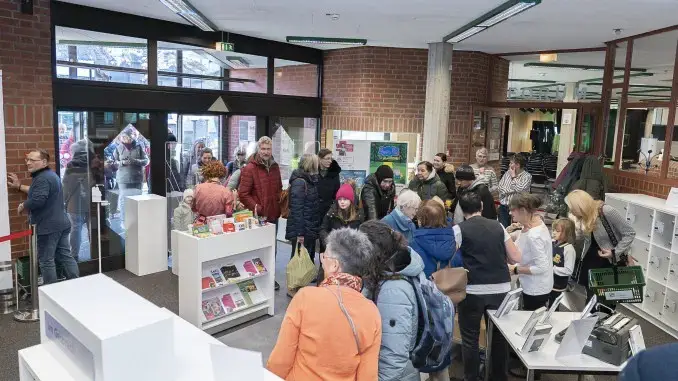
column 227, row 279
column 100, row 330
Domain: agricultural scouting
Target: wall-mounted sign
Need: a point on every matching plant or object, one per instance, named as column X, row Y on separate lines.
column 225, row 46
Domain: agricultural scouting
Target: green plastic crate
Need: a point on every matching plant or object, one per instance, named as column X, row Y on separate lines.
column 626, row 288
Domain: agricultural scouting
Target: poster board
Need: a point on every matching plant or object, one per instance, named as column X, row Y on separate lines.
column 393, row 154
column 5, row 247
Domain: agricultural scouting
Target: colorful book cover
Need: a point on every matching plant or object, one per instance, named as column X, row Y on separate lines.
column 212, row 309
column 250, row 268
column 250, row 289
column 201, row 230
column 230, row 272
column 208, row 282
column 218, row 277
column 229, row 304
column 259, row 265
column 238, row 299
column 245, row 294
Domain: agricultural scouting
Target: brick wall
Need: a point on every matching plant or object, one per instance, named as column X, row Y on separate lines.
column 619, row 183
column 234, row 133
column 25, row 61
column 384, row 90
column 259, row 75
column 299, row 80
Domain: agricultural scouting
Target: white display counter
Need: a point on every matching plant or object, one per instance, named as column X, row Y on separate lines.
column 244, row 260
column 146, row 240
column 655, row 249
column 183, row 354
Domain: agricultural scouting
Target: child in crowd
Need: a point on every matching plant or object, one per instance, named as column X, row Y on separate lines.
column 563, row 233
column 344, row 213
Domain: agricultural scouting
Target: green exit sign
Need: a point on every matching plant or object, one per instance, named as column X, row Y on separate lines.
column 225, row 46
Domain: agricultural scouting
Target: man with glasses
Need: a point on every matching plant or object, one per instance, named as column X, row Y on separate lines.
column 45, row 206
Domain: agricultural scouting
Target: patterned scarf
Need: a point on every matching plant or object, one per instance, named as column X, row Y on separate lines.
column 344, row 279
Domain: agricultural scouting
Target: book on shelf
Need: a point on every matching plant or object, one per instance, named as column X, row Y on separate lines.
column 250, row 268
column 229, row 304
column 230, row 272
column 238, row 299
column 218, row 276
column 201, row 230
column 251, row 293
column 259, row 265
column 212, row 309
column 208, row 282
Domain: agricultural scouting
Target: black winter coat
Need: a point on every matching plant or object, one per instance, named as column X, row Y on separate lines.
column 304, row 219
column 328, row 187
column 377, row 203
column 333, row 221
column 489, row 208
column 447, row 177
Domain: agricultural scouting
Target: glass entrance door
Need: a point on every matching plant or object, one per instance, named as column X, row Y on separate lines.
column 110, row 150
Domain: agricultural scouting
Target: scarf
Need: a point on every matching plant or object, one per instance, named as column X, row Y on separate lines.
column 344, row 279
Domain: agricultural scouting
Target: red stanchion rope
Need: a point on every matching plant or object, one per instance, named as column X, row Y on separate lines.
column 14, row 236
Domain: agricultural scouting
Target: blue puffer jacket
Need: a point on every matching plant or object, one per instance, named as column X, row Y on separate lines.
column 304, row 219
column 397, row 305
column 656, row 363
column 436, row 246
column 400, row 223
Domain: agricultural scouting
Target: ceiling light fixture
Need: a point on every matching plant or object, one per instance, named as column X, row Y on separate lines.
column 326, row 40
column 491, row 18
column 188, row 12
column 548, row 57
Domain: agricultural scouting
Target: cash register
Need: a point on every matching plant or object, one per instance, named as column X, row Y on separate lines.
column 609, row 340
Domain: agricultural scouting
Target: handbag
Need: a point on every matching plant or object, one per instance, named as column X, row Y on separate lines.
column 300, row 269
column 623, row 259
column 451, row 281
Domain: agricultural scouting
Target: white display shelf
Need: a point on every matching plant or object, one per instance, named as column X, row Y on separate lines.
column 198, row 256
column 146, row 240
column 191, row 358
column 655, row 247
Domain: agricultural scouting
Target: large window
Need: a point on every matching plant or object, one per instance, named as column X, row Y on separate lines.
column 94, row 56
column 292, row 138
column 295, row 78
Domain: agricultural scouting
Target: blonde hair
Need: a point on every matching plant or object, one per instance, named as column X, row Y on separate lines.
column 309, row 163
column 431, row 214
column 438, row 200
column 567, row 229
column 585, row 208
column 264, row 140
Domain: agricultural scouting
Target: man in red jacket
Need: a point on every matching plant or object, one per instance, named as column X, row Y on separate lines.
column 260, row 183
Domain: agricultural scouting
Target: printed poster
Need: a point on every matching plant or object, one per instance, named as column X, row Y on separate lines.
column 357, row 175
column 393, row 154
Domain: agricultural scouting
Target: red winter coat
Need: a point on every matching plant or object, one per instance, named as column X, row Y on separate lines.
column 260, row 187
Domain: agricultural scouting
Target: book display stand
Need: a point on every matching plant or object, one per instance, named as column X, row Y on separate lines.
column 226, row 279
column 94, row 329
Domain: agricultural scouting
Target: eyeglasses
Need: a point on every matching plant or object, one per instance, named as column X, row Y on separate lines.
column 325, row 256
column 29, row 160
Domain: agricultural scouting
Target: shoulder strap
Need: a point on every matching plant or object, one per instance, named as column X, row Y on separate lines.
column 340, row 300
column 608, row 228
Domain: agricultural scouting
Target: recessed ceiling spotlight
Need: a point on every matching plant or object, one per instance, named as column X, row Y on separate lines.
column 542, row 74
column 333, row 16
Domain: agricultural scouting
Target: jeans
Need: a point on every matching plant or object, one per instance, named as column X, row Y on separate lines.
column 54, row 250
column 124, row 191
column 504, row 215
column 534, row 302
column 77, row 221
column 471, row 311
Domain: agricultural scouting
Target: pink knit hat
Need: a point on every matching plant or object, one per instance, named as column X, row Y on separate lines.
column 346, row 191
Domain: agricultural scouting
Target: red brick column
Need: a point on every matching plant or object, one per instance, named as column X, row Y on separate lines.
column 25, row 61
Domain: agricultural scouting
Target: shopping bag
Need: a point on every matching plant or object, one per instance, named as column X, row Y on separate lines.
column 300, row 270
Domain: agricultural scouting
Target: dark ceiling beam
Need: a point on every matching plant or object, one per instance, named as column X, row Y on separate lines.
column 557, row 51
column 646, row 34
column 581, row 67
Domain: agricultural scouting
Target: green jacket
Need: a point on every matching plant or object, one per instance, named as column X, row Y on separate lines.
column 429, row 188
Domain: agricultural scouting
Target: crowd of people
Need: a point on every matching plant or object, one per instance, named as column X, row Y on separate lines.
column 378, row 248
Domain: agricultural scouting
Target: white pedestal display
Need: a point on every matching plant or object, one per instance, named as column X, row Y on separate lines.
column 227, row 279
column 128, row 338
column 655, row 249
column 175, row 252
column 100, row 330
column 146, row 241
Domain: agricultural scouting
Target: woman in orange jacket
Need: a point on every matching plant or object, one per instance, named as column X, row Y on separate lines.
column 340, row 336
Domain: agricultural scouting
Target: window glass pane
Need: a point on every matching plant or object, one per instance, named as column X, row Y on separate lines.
column 247, row 73
column 296, row 78
column 95, row 56
column 570, row 77
column 242, row 131
column 293, row 137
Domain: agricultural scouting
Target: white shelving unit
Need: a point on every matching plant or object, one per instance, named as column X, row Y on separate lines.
column 200, row 258
column 655, row 249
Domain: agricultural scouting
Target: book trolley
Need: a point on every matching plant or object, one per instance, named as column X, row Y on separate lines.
column 226, row 279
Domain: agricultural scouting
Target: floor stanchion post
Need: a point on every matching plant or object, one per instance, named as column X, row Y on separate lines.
column 31, row 314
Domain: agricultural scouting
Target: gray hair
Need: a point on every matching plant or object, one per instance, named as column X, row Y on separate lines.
column 352, row 249
column 408, row 198
column 309, row 163
column 264, row 140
